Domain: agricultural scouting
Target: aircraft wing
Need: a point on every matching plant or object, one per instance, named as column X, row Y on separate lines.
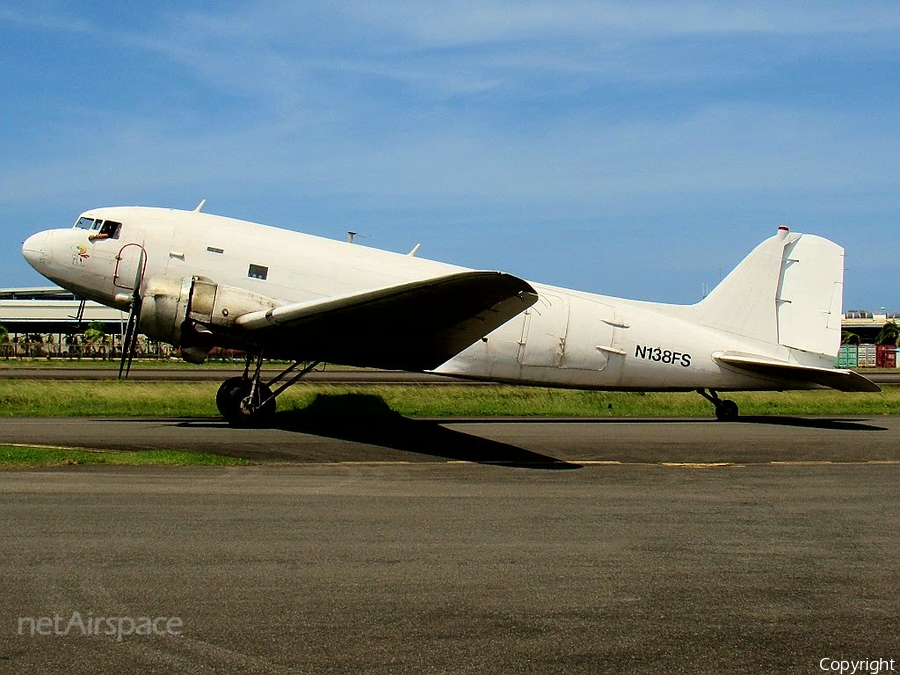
column 411, row 326
column 842, row 380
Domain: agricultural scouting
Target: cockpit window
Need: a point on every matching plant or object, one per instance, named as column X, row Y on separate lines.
column 110, row 229
column 100, row 229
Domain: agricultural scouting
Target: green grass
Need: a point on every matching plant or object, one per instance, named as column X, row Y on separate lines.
column 25, row 457
column 42, row 398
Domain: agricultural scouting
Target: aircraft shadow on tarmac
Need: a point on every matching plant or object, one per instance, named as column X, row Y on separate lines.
column 365, row 418
column 812, row 423
column 779, row 420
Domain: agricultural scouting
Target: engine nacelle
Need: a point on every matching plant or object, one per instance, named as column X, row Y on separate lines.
column 192, row 312
column 165, row 307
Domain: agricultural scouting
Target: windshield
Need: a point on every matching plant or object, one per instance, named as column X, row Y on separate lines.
column 100, row 229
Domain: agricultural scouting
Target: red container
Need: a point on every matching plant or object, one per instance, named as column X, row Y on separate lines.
column 886, row 356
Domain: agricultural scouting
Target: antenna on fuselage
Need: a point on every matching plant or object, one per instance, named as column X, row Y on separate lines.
column 350, row 236
column 200, row 206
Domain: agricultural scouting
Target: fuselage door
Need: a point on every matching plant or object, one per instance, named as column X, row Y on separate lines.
column 131, row 262
column 590, row 336
column 544, row 334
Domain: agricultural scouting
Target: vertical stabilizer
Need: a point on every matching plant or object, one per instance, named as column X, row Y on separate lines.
column 787, row 292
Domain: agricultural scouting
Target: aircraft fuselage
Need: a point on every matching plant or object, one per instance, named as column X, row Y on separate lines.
column 566, row 339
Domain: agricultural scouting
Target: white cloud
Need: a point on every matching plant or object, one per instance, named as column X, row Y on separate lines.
column 43, row 16
column 283, row 49
column 721, row 148
column 461, row 22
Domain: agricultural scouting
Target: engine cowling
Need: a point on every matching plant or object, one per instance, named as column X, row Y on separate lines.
column 195, row 313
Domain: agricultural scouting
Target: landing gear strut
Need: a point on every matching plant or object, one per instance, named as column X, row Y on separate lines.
column 726, row 410
column 248, row 401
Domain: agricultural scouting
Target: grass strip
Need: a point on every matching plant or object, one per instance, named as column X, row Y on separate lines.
column 47, row 398
column 28, row 457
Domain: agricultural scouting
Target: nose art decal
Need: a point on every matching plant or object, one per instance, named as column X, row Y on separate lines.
column 80, row 254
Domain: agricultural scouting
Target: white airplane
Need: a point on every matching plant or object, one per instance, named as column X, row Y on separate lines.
column 199, row 281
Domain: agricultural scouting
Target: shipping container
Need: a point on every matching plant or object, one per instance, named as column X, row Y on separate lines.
column 848, row 357
column 867, row 356
column 886, row 356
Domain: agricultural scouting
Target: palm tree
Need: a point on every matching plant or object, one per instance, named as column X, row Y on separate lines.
column 4, row 334
column 848, row 338
column 889, row 335
column 95, row 334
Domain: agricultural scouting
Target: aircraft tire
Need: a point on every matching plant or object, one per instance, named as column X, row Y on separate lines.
column 727, row 411
column 231, row 394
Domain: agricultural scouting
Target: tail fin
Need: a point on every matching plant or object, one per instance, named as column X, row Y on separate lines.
column 787, row 292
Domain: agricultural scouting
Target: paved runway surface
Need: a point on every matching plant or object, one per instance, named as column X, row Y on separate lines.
column 771, row 544
column 304, row 436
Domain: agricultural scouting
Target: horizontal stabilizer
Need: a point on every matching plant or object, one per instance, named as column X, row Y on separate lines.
column 842, row 380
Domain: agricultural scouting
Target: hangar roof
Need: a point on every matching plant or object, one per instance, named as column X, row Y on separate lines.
column 50, row 304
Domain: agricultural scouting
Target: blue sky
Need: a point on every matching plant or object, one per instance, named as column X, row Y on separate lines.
column 635, row 149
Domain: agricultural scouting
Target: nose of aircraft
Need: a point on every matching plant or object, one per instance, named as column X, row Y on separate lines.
column 36, row 248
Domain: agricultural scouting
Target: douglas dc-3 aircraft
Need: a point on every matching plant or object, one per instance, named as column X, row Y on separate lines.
column 199, row 281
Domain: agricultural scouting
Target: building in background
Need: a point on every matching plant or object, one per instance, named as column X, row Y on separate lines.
column 51, row 322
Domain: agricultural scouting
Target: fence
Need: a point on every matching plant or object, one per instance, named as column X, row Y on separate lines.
column 52, row 349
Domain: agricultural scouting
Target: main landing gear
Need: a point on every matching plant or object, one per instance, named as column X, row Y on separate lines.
column 726, row 410
column 248, row 401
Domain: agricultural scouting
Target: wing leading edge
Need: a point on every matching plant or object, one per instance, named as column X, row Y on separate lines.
column 411, row 326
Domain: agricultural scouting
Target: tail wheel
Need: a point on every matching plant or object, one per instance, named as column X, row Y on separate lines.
column 726, row 411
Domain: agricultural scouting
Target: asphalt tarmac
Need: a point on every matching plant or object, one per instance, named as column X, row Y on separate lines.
column 381, row 544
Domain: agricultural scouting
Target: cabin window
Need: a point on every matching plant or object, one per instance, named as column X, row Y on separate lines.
column 84, row 223
column 258, row 272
